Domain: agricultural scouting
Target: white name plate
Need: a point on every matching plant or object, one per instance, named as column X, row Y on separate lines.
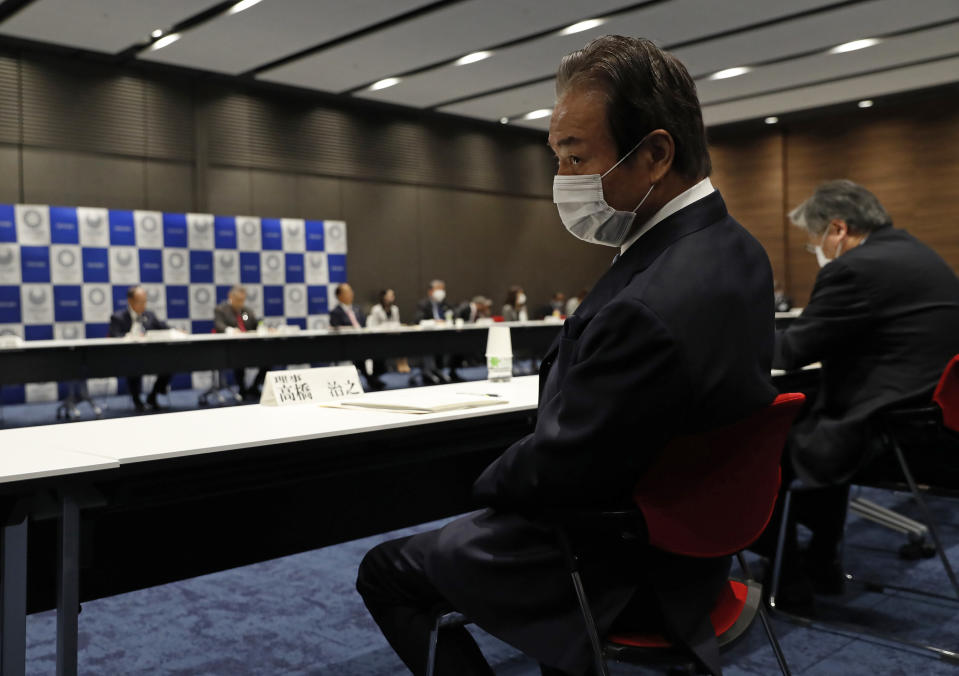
column 310, row 386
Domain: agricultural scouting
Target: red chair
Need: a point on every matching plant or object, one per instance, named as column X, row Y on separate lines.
column 708, row 495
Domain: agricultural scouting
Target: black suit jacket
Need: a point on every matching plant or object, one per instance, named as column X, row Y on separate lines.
column 675, row 338
column 424, row 310
column 225, row 316
column 121, row 322
column 338, row 316
column 883, row 319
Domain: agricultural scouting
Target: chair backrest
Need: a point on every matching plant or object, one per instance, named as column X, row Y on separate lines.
column 946, row 395
column 712, row 494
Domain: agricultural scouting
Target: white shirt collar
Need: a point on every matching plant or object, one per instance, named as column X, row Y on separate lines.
column 681, row 201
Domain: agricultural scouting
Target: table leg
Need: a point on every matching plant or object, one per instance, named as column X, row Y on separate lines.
column 68, row 586
column 14, row 599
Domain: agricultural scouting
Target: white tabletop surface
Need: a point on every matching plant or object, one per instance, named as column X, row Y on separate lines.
column 153, row 437
column 26, row 455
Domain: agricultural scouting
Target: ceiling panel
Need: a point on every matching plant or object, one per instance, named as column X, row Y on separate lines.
column 444, row 34
column 667, row 23
column 274, row 29
column 852, row 89
column 909, row 48
column 817, row 31
column 507, row 104
column 99, row 25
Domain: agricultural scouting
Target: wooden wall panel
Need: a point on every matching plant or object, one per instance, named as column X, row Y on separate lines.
column 10, row 171
column 748, row 171
column 77, row 178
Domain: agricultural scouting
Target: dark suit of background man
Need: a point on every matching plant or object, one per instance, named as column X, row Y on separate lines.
column 347, row 314
column 234, row 313
column 434, row 306
column 883, row 319
column 135, row 317
column 676, row 337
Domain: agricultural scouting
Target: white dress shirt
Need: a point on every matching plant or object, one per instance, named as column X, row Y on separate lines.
column 682, row 200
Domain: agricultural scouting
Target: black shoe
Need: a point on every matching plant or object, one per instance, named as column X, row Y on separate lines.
column 795, row 595
column 825, row 575
column 138, row 405
column 375, row 383
column 252, row 394
column 431, row 378
column 443, row 378
column 455, row 377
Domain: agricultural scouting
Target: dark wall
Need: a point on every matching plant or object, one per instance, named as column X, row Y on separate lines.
column 423, row 195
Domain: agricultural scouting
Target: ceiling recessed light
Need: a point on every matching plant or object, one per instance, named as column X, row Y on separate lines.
column 504, row 120
column 536, row 114
column 867, row 103
column 854, row 45
column 156, row 34
column 242, row 5
column 772, row 119
column 729, row 72
column 582, row 26
column 472, row 58
column 165, row 41
column 384, row 83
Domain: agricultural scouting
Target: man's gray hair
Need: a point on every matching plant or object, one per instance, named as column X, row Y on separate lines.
column 844, row 200
column 437, row 282
column 481, row 300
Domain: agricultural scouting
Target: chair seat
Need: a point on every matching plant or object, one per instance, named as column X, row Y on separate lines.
column 732, row 614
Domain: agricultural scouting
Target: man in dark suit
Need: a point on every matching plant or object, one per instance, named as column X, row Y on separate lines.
column 136, row 319
column 435, row 307
column 883, row 319
column 675, row 338
column 349, row 315
column 236, row 314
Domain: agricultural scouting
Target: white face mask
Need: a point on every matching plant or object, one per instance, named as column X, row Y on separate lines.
column 438, row 295
column 584, row 211
column 521, row 299
column 821, row 255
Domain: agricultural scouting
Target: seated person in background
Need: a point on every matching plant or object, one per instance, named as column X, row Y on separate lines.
column 137, row 319
column 515, row 308
column 385, row 312
column 574, row 302
column 883, row 319
column 556, row 307
column 234, row 313
column 349, row 315
column 434, row 306
column 478, row 308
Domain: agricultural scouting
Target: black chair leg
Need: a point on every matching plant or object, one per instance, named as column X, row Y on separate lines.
column 780, row 548
column 767, row 625
column 600, row 662
column 933, row 530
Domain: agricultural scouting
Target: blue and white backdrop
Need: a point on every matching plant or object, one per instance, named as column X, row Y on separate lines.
column 65, row 270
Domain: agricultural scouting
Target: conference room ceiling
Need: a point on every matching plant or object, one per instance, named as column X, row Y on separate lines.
column 355, row 47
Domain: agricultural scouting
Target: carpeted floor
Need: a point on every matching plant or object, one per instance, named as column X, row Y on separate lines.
column 301, row 614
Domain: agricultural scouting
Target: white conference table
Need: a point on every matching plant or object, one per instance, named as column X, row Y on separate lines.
column 59, row 452
column 48, row 360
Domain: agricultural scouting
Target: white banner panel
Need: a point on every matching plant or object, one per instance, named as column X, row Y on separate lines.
column 248, row 233
column 200, row 231
column 36, row 303
column 149, row 229
column 94, row 226
column 176, row 266
column 33, row 224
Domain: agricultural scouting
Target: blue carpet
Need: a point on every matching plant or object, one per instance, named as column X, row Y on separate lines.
column 301, row 614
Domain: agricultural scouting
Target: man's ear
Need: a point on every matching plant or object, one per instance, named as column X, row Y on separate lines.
column 841, row 227
column 660, row 149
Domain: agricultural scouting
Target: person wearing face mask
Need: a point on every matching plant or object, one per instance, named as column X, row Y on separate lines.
column 883, row 319
column 434, row 307
column 556, row 307
column 676, row 337
column 514, row 310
